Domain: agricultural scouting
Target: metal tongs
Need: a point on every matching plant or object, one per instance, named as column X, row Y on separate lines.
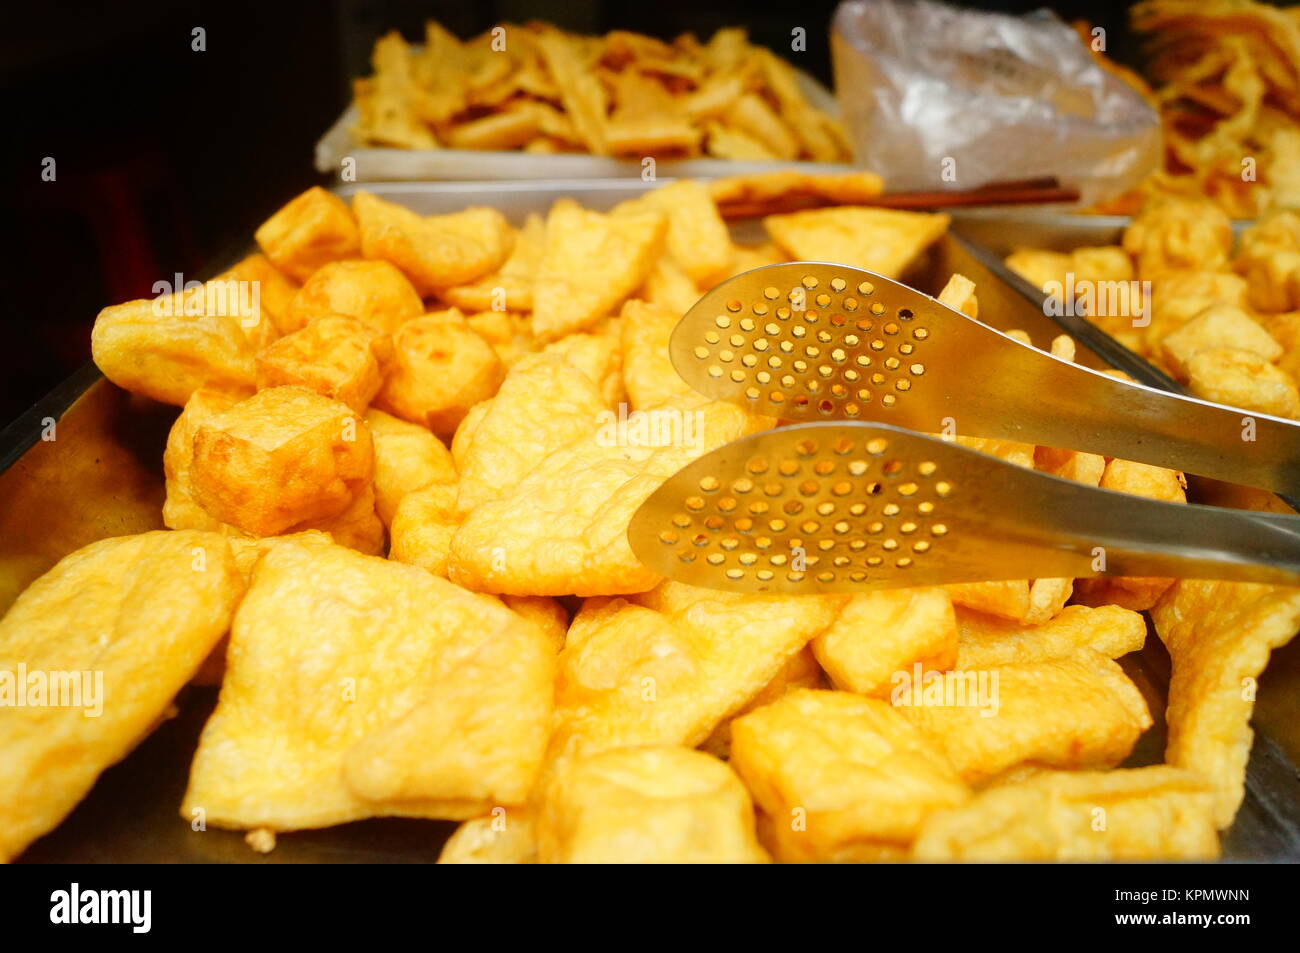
column 845, row 506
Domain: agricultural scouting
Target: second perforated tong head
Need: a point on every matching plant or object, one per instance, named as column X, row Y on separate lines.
column 809, row 341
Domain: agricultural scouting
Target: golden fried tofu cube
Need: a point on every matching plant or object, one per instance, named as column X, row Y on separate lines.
column 1039, row 266
column 1078, row 711
column 313, row 229
column 544, row 404
column 407, row 458
column 1070, row 464
column 440, row 369
column 275, row 291
column 1176, row 234
column 1216, row 327
column 1237, row 378
column 357, row 527
column 653, row 805
column 511, row 287
column 882, row 240
column 333, row 356
column 1155, row 813
column 422, row 527
column 360, row 687
column 1272, row 280
column 1026, row 601
column 562, row 529
column 590, row 264
column 1143, row 479
column 959, row 294
column 670, row 670
column 697, row 236
column 283, row 457
column 648, row 369
column 504, row 837
column 179, row 509
column 840, row 776
column 373, row 292
column 433, row 251
column 91, row 656
column 881, row 633
column 156, row 349
column 986, row 641
column 1219, row 636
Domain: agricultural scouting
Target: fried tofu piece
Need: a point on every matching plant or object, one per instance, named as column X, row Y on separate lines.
column 1086, row 468
column 562, row 529
column 652, row 805
column 313, row 229
column 1219, row 636
column 882, row 240
column 669, row 668
column 156, row 349
column 422, row 527
column 275, row 292
column 544, row 404
column 648, row 371
column 91, row 656
column 1237, row 378
column 440, row 369
column 283, row 457
column 357, row 527
column 599, row 355
column 697, row 237
column 179, row 509
column 504, row 837
column 1178, row 234
column 433, row 251
column 840, row 777
column 881, row 633
column 985, row 641
column 511, row 287
column 668, row 286
column 1218, row 326
column 1143, row 479
column 1039, row 267
column 407, row 458
column 360, row 687
column 1154, row 813
column 590, row 264
column 801, row 671
column 1079, row 711
column 1028, row 602
column 959, row 294
column 335, row 356
column 373, row 292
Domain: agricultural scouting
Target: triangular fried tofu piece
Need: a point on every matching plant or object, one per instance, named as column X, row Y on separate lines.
column 697, row 236
column 514, row 280
column 590, row 264
column 882, row 240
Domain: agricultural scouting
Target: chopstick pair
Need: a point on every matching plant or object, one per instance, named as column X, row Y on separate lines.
column 862, row 498
column 1042, row 191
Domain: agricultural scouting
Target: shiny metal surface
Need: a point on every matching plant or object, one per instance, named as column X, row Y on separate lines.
column 815, row 341
column 849, row 507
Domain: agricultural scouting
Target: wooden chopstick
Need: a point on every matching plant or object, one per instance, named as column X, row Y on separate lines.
column 1040, row 191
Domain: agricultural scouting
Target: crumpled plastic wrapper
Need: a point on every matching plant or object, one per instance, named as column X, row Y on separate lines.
column 1002, row 97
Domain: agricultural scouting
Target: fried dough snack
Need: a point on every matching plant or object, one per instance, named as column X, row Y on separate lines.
column 621, row 94
column 140, row 614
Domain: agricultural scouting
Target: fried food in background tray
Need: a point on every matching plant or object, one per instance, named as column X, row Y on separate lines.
column 539, row 89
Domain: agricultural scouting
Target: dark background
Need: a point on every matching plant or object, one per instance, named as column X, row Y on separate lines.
column 167, row 159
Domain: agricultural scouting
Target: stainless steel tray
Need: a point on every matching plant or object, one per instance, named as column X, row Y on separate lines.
column 103, row 477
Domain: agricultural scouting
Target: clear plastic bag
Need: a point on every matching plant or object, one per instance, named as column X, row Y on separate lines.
column 935, row 97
